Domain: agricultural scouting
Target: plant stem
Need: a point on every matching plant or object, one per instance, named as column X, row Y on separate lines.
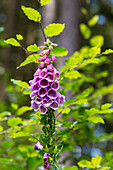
column 43, row 31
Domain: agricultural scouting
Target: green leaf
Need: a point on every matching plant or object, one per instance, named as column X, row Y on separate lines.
column 33, row 48
column 54, row 29
column 96, row 119
column 89, row 61
column 109, row 51
column 85, row 93
column 23, row 84
column 13, row 42
column 97, row 40
column 85, row 163
column 14, row 121
column 44, row 2
column 71, row 168
column 57, row 166
column 1, row 128
column 4, row 114
column 66, row 110
column 93, row 21
column 68, row 102
column 106, row 106
column 94, row 51
column 81, row 101
column 23, row 109
column 15, row 167
column 19, row 37
column 96, row 160
column 19, row 134
column 86, row 32
column 31, row 13
column 14, row 106
column 59, row 51
column 73, row 74
column 30, row 59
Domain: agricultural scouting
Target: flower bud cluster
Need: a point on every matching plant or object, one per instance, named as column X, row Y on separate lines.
column 45, row 84
column 45, row 158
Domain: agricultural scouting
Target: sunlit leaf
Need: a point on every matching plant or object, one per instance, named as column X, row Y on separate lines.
column 14, row 121
column 66, row 110
column 96, row 119
column 23, row 109
column 30, row 59
column 106, row 106
column 19, row 37
column 44, row 2
column 33, row 48
column 71, row 168
column 54, row 29
column 59, row 51
column 109, row 51
column 96, row 160
column 85, row 163
column 73, row 74
column 86, row 32
column 31, row 13
column 94, row 51
column 13, row 42
column 20, row 83
column 93, row 21
column 97, row 40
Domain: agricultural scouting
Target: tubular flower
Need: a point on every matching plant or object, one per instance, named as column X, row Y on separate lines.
column 45, row 84
column 38, row 146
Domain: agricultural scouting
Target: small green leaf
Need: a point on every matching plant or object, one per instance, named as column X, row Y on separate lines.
column 31, row 13
column 14, row 121
column 106, row 106
column 19, row 37
column 33, row 48
column 1, row 128
column 54, row 29
column 23, row 84
column 59, row 51
column 73, row 74
column 81, row 101
column 96, row 160
column 30, row 59
column 71, row 168
column 66, row 110
column 109, row 51
column 20, row 134
column 85, row 163
column 23, row 109
column 86, row 32
column 93, row 21
column 94, row 51
column 96, row 119
column 13, row 42
column 57, row 166
column 44, row 2
column 14, row 106
column 4, row 114
column 89, row 61
column 97, row 40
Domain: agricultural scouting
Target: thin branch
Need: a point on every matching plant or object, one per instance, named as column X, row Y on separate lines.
column 82, row 63
column 22, row 126
column 45, row 37
column 27, row 52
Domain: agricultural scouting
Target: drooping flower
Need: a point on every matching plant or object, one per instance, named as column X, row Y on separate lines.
column 38, row 146
column 45, row 157
column 45, row 84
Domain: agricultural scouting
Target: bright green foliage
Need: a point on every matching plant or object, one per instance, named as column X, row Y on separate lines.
column 23, row 84
column 59, row 51
column 13, row 42
column 30, row 59
column 54, row 29
column 19, row 37
column 96, row 160
column 14, row 106
column 106, row 106
column 23, row 109
column 66, row 110
column 31, row 13
column 1, row 128
column 86, row 32
column 71, row 168
column 97, row 40
column 14, row 121
column 94, row 51
column 73, row 74
column 96, row 119
column 109, row 51
column 33, row 48
column 4, row 114
column 44, row 2
column 90, row 61
column 85, row 163
column 93, row 21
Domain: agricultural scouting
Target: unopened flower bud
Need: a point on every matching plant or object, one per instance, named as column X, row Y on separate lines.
column 45, row 43
column 41, row 65
column 53, row 58
column 45, row 57
column 40, row 59
column 47, row 61
column 42, row 47
column 47, row 51
column 41, row 54
column 55, row 45
column 50, row 48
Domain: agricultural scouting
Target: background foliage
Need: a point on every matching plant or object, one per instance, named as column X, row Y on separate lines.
column 87, row 113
